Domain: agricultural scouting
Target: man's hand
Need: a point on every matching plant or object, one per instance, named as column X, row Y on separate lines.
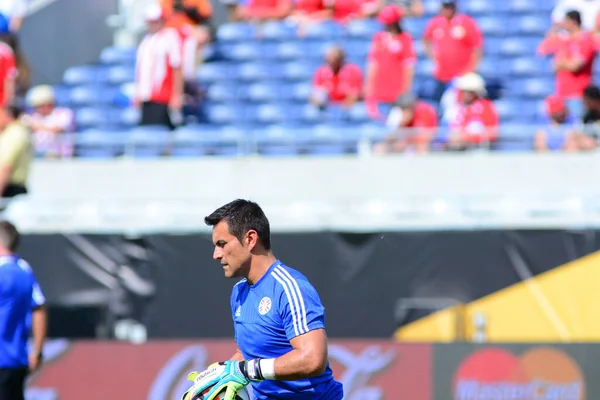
column 35, row 362
column 229, row 375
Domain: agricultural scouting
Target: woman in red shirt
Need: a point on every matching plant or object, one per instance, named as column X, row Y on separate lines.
column 390, row 67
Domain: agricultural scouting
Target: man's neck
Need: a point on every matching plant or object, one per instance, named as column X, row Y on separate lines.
column 4, row 252
column 259, row 267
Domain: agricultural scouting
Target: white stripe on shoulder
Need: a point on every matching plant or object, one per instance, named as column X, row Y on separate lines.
column 299, row 300
column 24, row 265
column 290, row 300
column 242, row 281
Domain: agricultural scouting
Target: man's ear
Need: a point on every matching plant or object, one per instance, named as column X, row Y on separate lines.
column 251, row 239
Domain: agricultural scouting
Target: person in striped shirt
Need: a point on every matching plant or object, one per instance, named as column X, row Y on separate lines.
column 278, row 316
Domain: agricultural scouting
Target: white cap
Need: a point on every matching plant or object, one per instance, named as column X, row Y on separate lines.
column 153, row 12
column 40, row 96
column 471, row 82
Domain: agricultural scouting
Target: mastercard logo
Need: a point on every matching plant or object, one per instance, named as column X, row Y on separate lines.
column 542, row 373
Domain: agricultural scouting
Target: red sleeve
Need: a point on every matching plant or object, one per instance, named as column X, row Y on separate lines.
column 428, row 34
column 355, row 80
column 587, row 49
column 548, row 45
column 318, row 77
column 476, row 38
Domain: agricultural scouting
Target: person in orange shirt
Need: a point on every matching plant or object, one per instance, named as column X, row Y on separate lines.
column 476, row 122
column 390, row 66
column 574, row 55
column 414, row 124
column 454, row 42
column 336, row 82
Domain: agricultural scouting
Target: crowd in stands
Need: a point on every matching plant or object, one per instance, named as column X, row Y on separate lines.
column 461, row 111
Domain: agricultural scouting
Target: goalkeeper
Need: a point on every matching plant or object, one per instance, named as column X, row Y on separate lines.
column 278, row 317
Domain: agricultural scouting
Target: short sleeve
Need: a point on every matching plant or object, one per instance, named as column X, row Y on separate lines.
column 37, row 296
column 410, row 56
column 175, row 49
column 318, row 78
column 300, row 307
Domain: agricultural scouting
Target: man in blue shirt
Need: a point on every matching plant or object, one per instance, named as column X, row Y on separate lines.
column 278, row 317
column 21, row 303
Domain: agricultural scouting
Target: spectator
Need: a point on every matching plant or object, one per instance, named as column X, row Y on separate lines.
column 159, row 79
column 558, row 133
column 16, row 151
column 52, row 126
column 390, row 67
column 309, row 12
column 12, row 15
column 574, row 55
column 8, row 75
column 588, row 9
column 414, row 124
column 590, row 132
column 265, row 10
column 410, row 8
column 476, row 121
column 454, row 42
column 344, row 11
column 336, row 82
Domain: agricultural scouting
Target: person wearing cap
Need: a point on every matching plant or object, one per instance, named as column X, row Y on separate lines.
column 574, row 53
column 414, row 124
column 558, row 132
column 16, row 152
column 159, row 79
column 336, row 82
column 52, row 127
column 391, row 61
column 476, row 122
column 455, row 44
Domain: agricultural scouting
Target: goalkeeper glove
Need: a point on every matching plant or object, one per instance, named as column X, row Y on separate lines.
column 229, row 375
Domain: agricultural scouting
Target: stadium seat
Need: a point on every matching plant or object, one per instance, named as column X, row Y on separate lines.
column 232, row 32
column 203, row 140
column 492, row 26
column 363, row 28
column 62, row 95
column 478, row 7
column 515, row 138
column 326, row 30
column 278, row 31
column 118, row 55
column 264, row 92
column 244, row 51
column 89, row 117
column 519, row 7
column 415, row 26
column 99, row 144
column 254, row 71
column 220, row 92
column 358, row 113
column 275, row 141
column 297, row 71
column 217, row 71
column 358, row 47
column 518, row 46
column 87, row 95
column 126, row 117
column 81, row 75
column 224, row 114
column 119, row 74
column 290, row 50
column 527, row 67
column 532, row 87
column 148, row 141
column 532, row 25
column 300, row 92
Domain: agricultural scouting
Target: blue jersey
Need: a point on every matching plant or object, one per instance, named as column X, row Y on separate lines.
column 267, row 315
column 19, row 294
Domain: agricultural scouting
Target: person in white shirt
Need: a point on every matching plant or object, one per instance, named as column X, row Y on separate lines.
column 52, row 127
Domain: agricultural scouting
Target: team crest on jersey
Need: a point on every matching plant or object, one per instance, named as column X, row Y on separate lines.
column 264, row 306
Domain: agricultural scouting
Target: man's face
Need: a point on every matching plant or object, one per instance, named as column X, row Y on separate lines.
column 233, row 255
column 45, row 110
column 570, row 25
column 448, row 10
column 467, row 97
column 334, row 59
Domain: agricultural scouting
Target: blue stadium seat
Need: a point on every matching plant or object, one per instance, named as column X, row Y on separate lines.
column 491, row 66
column 291, row 50
column 358, row 47
column 529, row 66
column 478, row 7
column 220, row 92
column 120, row 74
column 520, row 7
column 278, row 31
column 358, row 113
column 326, row 30
column 425, row 68
column 88, row 117
column 363, row 28
column 62, row 95
column 491, row 46
column 244, row 51
column 415, row 26
column 226, row 114
column 87, row 95
column 264, row 92
column 232, row 32
column 531, row 25
column 148, row 142
column 492, row 26
column 300, row 91
column 118, row 55
column 275, row 141
column 99, row 144
column 532, row 87
column 255, row 71
column 276, row 114
column 217, row 71
column 126, row 117
column 202, row 140
column 519, row 46
column 81, row 75
column 298, row 71
column 515, row 138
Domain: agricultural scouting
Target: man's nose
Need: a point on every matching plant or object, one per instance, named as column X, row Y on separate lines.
column 217, row 254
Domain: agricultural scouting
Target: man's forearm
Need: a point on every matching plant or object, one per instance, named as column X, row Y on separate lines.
column 39, row 328
column 5, row 171
column 297, row 364
column 9, row 91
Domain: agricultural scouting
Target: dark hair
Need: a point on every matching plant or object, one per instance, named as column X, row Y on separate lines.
column 592, row 92
column 242, row 216
column 575, row 16
column 14, row 111
column 9, row 236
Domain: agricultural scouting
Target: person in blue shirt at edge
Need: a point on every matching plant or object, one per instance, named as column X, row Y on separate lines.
column 21, row 308
column 278, row 317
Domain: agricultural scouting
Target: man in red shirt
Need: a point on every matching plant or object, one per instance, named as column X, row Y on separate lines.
column 454, row 42
column 159, row 78
column 414, row 125
column 574, row 55
column 390, row 66
column 8, row 75
column 476, row 122
column 265, row 10
column 336, row 82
